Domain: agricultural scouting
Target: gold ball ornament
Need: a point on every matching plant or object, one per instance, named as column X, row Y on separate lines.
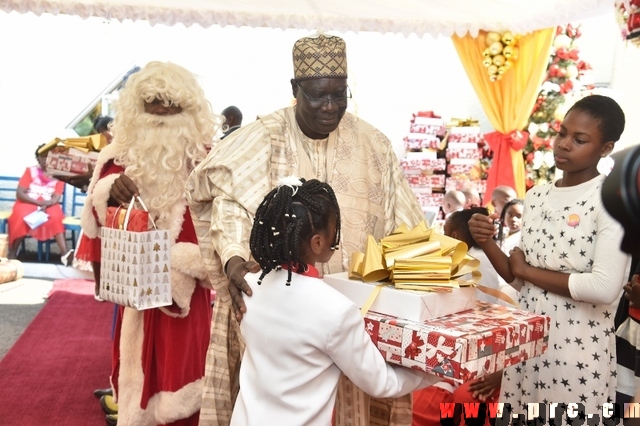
column 508, row 38
column 507, row 64
column 492, row 37
column 487, row 62
column 499, row 60
column 501, row 70
column 507, row 52
column 486, row 53
column 493, row 69
column 495, row 48
column 515, row 53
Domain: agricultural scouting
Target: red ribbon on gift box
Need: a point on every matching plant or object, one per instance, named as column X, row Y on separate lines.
column 425, row 114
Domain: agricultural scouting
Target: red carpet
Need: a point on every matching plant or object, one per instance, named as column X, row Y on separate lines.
column 49, row 375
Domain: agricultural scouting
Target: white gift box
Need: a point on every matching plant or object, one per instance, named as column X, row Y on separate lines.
column 407, row 304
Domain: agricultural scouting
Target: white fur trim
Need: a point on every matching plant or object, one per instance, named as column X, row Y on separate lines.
column 163, row 407
column 171, row 406
column 131, row 376
column 88, row 221
column 90, row 226
column 101, row 194
column 186, row 258
column 182, row 287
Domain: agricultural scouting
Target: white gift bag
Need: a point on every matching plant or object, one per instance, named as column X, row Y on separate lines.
column 136, row 268
column 36, row 218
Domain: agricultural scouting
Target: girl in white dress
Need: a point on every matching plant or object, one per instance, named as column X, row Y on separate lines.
column 510, row 225
column 300, row 333
column 569, row 266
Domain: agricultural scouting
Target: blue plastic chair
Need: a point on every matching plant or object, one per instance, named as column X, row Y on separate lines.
column 8, row 187
column 72, row 220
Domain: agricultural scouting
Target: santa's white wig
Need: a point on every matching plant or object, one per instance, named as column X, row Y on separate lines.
column 159, row 151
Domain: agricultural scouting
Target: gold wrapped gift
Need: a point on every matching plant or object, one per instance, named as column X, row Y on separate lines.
column 416, row 259
column 463, row 122
column 85, row 143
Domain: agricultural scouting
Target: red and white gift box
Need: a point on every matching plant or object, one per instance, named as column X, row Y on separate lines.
column 421, row 141
column 463, row 150
column 429, row 181
column 427, row 125
column 465, row 134
column 70, row 161
column 464, row 345
column 415, row 166
column 435, row 199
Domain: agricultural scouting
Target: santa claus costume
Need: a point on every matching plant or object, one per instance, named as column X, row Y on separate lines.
column 159, row 354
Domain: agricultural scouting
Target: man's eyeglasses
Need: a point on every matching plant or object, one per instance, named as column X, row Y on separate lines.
column 339, row 100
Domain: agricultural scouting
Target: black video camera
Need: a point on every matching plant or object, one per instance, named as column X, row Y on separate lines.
column 621, row 196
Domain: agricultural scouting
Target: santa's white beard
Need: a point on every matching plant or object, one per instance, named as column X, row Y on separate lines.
column 159, row 160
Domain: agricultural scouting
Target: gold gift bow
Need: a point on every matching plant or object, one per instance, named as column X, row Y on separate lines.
column 457, row 122
column 463, row 122
column 419, row 243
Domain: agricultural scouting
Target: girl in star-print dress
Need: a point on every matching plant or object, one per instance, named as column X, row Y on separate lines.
column 569, row 266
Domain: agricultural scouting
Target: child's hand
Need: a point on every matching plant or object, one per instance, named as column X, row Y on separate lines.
column 482, row 227
column 632, row 291
column 485, row 387
column 517, row 262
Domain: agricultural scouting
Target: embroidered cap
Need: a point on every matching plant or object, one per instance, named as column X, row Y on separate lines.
column 319, row 56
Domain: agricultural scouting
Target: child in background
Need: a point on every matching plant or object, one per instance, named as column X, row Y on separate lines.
column 457, row 226
column 569, row 266
column 472, row 198
column 510, row 224
column 452, row 202
column 300, row 333
column 500, row 196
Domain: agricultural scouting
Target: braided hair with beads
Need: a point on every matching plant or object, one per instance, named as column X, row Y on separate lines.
column 290, row 214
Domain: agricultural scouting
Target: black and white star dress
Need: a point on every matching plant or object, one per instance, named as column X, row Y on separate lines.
column 567, row 229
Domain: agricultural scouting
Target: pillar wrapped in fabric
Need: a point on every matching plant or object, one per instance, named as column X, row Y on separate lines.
column 10, row 270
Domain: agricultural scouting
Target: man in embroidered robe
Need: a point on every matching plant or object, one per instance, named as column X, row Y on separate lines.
column 164, row 126
column 315, row 139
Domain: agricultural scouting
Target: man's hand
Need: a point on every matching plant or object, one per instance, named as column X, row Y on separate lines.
column 236, row 269
column 482, row 227
column 123, row 190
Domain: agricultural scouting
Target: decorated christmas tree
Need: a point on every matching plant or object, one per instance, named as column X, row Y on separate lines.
column 567, row 78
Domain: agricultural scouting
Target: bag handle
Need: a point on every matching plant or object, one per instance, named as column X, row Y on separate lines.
column 130, row 207
column 114, row 219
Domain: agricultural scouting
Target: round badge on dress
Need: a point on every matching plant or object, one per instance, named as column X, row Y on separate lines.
column 573, row 220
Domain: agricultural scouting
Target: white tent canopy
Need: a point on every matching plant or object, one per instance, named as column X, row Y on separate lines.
column 434, row 17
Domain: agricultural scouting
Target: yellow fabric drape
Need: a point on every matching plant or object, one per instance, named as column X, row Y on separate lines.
column 508, row 102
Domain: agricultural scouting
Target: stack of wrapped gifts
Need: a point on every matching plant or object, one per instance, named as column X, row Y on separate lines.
column 73, row 156
column 416, row 289
column 465, row 144
column 421, row 165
